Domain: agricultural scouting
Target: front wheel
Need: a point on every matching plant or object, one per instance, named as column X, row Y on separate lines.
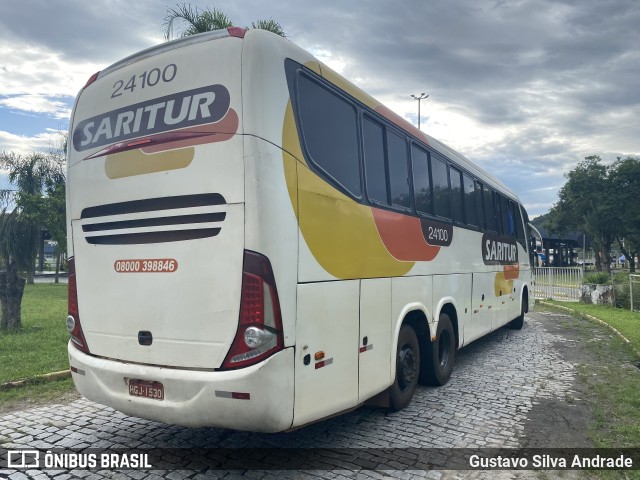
column 441, row 354
column 407, row 369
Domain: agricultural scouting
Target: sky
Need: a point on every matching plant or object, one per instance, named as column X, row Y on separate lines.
column 524, row 88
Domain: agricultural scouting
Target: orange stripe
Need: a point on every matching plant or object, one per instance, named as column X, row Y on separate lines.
column 511, row 272
column 402, row 235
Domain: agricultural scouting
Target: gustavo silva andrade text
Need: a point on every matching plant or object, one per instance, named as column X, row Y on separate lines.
column 552, row 462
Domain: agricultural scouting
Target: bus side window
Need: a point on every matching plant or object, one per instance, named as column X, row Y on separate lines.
column 498, row 213
column 421, row 182
column 471, row 201
column 374, row 163
column 441, row 191
column 330, row 133
column 398, row 170
column 457, row 198
column 520, row 236
column 508, row 221
column 489, row 209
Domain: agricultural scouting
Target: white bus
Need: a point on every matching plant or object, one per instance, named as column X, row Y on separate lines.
column 257, row 244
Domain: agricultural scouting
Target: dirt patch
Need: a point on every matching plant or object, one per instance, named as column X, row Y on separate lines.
column 566, row 422
column 33, row 400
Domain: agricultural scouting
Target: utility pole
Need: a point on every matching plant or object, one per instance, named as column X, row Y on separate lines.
column 419, row 99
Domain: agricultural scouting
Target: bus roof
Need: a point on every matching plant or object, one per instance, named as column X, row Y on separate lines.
column 338, row 80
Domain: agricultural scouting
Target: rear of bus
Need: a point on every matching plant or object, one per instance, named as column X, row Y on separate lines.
column 174, row 314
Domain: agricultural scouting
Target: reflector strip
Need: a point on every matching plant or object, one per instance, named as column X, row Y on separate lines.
column 78, row 371
column 366, row 347
column 324, row 363
column 233, row 395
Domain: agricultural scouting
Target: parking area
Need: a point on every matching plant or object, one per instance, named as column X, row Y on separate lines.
column 509, row 389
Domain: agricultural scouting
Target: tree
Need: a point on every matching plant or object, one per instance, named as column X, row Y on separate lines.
column 625, row 191
column 26, row 209
column 200, row 21
column 585, row 202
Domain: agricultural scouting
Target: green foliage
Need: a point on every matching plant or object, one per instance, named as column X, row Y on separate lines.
column 622, row 296
column 597, row 278
column 269, row 25
column 196, row 21
column 200, row 21
column 602, row 201
column 35, row 200
column 41, row 345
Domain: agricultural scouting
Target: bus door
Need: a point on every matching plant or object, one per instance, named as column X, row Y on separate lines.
column 481, row 306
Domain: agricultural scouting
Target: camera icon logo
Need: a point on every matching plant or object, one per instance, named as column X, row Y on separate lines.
column 23, row 459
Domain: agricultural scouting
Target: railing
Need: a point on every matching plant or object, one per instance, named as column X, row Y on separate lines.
column 557, row 283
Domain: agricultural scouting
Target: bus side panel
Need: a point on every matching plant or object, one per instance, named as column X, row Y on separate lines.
column 409, row 294
column 376, row 330
column 326, row 367
column 455, row 289
column 271, row 227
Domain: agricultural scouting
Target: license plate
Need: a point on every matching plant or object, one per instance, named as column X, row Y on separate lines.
column 146, row 389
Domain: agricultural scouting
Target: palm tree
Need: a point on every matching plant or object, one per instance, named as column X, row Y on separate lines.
column 200, row 21
column 24, row 211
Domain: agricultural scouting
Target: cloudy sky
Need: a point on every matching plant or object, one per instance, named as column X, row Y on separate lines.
column 525, row 88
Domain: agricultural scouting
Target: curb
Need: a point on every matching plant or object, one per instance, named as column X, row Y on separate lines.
column 47, row 377
column 590, row 317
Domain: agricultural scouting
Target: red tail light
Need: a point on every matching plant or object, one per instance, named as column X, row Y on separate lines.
column 259, row 333
column 73, row 318
column 92, row 79
column 236, row 32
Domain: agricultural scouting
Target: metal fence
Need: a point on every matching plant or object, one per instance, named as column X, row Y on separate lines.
column 558, row 283
column 634, row 292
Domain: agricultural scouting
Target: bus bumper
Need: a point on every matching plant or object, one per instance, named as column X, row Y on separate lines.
column 258, row 398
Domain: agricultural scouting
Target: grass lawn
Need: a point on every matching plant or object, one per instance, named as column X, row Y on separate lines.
column 41, row 345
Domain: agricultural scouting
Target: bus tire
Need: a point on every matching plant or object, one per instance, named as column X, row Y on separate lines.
column 407, row 369
column 518, row 322
column 441, row 354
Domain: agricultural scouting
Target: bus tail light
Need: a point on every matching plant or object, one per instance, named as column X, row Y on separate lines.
column 73, row 318
column 236, row 32
column 259, row 333
column 92, row 79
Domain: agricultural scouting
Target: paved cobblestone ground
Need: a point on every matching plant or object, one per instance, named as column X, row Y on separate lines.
column 498, row 382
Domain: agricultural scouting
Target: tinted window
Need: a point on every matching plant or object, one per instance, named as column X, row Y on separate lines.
column 508, row 220
column 330, row 133
column 398, row 170
column 519, row 227
column 421, row 183
column 374, row 161
column 441, row 195
column 456, row 194
column 472, row 200
column 489, row 209
column 498, row 213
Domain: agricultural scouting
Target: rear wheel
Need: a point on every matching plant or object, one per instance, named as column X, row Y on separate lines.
column 407, row 369
column 441, row 354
